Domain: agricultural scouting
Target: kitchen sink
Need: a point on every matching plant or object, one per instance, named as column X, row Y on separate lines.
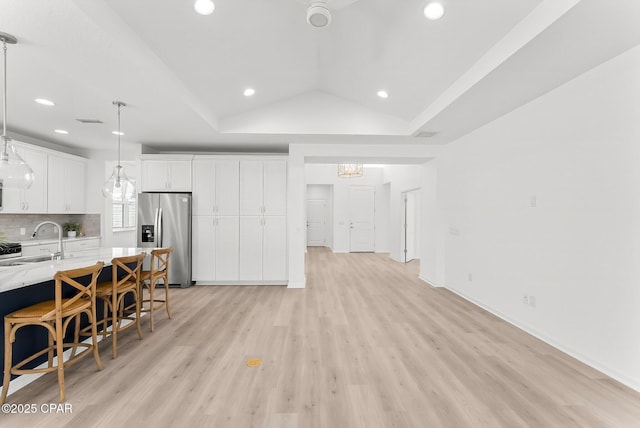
column 21, row 261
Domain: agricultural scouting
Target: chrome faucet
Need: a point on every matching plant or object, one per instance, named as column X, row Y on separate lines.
column 60, row 254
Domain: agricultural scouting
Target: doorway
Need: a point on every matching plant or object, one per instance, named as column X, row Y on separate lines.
column 411, row 225
column 361, row 219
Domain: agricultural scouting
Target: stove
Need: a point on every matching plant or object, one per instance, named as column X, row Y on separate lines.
column 10, row 249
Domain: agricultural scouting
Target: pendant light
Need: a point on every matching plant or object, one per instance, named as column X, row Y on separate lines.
column 350, row 170
column 14, row 171
column 119, row 187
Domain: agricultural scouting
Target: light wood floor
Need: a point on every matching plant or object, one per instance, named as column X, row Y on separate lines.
column 366, row 344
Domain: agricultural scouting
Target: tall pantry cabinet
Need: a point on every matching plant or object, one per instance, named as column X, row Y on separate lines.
column 263, row 207
column 239, row 220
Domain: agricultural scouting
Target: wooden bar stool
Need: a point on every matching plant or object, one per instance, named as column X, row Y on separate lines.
column 125, row 279
column 55, row 315
column 150, row 278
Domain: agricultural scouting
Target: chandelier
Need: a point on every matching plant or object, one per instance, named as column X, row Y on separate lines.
column 350, row 170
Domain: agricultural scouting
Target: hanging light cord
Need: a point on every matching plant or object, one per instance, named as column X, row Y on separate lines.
column 4, row 101
column 119, row 167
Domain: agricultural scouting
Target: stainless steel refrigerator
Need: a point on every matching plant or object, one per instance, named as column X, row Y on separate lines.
column 164, row 219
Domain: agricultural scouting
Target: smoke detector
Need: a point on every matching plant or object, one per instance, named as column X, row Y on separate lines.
column 318, row 13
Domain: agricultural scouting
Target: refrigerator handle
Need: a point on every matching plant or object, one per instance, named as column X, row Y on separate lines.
column 156, row 223
column 160, row 225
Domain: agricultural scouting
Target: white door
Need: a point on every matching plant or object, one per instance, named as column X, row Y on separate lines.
column 274, row 245
column 204, row 248
column 227, row 187
column 154, row 176
column 362, row 218
column 251, row 188
column 275, row 188
column 227, row 250
column 251, row 248
column 316, row 223
column 204, row 183
column 179, row 172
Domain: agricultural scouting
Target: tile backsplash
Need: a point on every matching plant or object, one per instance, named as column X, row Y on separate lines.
column 10, row 225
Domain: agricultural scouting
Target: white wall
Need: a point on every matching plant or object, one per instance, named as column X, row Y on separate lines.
column 545, row 202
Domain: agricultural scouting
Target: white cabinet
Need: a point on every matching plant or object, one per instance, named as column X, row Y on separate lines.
column 166, row 175
column 215, row 187
column 239, row 222
column 215, row 248
column 71, row 245
column 33, row 199
column 263, row 187
column 263, row 248
column 66, row 185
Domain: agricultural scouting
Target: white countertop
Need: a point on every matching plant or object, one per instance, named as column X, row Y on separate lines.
column 12, row 277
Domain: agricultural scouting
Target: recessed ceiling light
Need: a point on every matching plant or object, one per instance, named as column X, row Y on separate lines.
column 117, row 133
column 204, row 7
column 434, row 11
column 44, row 102
column 60, row 131
column 383, row 94
column 249, row 92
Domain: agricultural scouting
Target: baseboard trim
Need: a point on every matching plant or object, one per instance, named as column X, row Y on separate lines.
column 297, row 284
column 430, row 282
column 596, row 365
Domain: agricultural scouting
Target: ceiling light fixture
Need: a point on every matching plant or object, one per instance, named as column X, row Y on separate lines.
column 249, row 92
column 117, row 133
column 60, row 131
column 318, row 14
column 350, row 170
column 383, row 94
column 204, row 7
column 434, row 11
column 118, row 186
column 14, row 171
column 45, row 102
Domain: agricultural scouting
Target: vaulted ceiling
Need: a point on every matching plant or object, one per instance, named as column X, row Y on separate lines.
column 183, row 74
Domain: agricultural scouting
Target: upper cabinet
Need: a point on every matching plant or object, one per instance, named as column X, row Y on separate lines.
column 263, row 187
column 66, row 185
column 33, row 199
column 59, row 185
column 166, row 175
column 215, row 187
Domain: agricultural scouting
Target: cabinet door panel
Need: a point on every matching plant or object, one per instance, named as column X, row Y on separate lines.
column 227, row 187
column 275, row 188
column 250, row 248
column 274, row 263
column 204, row 244
column 180, row 175
column 75, row 172
column 204, row 182
column 35, row 197
column 56, row 185
column 227, row 249
column 154, row 175
column 251, row 187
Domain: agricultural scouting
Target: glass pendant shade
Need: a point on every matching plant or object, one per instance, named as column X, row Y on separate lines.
column 350, row 170
column 119, row 187
column 14, row 171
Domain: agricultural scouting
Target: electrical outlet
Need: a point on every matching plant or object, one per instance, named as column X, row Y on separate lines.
column 23, row 231
column 532, row 301
column 470, row 277
column 525, row 299
column 533, row 202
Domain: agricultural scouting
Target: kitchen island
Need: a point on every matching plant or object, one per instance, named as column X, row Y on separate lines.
column 26, row 284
